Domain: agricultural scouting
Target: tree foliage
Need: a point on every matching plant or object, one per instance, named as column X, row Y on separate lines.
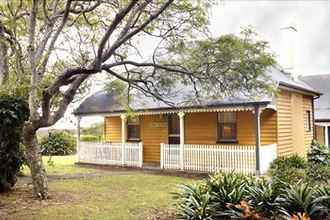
column 13, row 113
column 53, row 47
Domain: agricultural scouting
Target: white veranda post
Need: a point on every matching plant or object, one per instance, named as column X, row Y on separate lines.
column 78, row 136
column 123, row 137
column 181, row 116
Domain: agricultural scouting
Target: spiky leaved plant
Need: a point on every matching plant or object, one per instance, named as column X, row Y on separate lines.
column 261, row 197
column 302, row 202
column 193, row 202
column 228, row 192
column 323, row 194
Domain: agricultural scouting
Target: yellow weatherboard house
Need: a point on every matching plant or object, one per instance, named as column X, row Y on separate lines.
column 231, row 133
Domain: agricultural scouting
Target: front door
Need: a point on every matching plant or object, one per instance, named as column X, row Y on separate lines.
column 173, row 129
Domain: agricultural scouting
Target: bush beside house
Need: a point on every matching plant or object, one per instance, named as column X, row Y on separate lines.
column 58, row 144
column 316, row 169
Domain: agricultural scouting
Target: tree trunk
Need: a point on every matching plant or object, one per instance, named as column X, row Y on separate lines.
column 34, row 158
column 3, row 62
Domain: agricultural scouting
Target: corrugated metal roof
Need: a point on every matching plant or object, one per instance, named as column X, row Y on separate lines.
column 105, row 102
column 322, row 104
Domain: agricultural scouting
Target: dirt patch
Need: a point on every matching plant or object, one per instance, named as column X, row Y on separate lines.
column 112, row 169
column 155, row 214
column 26, row 180
column 21, row 198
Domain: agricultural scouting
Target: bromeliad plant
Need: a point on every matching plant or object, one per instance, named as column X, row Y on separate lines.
column 304, row 202
column 227, row 194
column 235, row 196
column 262, row 198
column 194, row 202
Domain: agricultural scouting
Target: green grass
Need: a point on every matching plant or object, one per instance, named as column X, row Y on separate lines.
column 60, row 165
column 121, row 195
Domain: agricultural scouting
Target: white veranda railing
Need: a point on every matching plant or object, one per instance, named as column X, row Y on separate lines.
column 106, row 153
column 212, row 158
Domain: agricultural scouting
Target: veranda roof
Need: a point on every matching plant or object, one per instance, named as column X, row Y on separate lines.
column 103, row 102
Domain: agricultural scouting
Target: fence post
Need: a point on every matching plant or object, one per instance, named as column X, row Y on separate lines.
column 140, row 154
column 162, row 156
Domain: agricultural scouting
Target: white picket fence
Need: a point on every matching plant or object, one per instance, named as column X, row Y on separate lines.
column 105, row 153
column 212, row 158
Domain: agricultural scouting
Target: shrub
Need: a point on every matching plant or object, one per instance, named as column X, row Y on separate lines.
column 318, row 173
column 222, row 196
column 13, row 112
column 318, row 163
column 323, row 192
column 194, row 202
column 319, row 154
column 303, row 201
column 235, row 196
column 90, row 138
column 58, row 143
column 261, row 197
column 288, row 169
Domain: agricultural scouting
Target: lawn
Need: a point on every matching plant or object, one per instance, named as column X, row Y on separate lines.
column 116, row 194
column 61, row 165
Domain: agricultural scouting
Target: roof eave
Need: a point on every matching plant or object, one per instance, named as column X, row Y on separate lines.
column 314, row 93
column 243, row 104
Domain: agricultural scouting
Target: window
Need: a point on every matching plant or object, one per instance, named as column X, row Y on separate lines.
column 307, row 121
column 173, row 129
column 133, row 129
column 227, row 127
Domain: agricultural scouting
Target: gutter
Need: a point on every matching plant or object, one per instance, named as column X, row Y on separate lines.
column 159, row 110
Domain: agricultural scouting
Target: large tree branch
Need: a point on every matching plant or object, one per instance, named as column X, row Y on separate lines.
column 68, row 96
column 117, row 20
column 145, row 89
column 131, row 34
column 55, row 37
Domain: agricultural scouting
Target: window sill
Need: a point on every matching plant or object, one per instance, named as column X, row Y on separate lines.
column 133, row 140
column 227, row 142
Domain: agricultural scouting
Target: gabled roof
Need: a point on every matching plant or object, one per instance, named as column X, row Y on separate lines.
column 322, row 104
column 104, row 102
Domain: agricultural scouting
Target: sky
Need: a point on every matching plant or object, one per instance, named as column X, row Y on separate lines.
column 308, row 52
column 268, row 18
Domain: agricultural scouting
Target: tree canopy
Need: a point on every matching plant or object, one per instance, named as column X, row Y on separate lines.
column 50, row 48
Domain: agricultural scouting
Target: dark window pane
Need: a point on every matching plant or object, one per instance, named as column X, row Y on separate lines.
column 227, row 126
column 133, row 132
column 174, row 140
column 308, row 126
column 174, row 124
column 133, row 128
